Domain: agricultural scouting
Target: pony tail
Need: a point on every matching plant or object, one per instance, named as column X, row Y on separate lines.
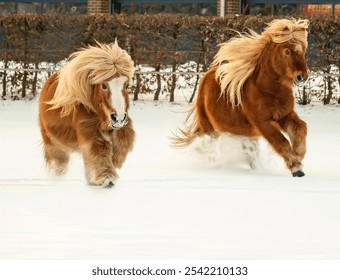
column 184, row 137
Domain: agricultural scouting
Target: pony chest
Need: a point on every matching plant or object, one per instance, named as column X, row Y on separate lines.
column 266, row 106
column 107, row 136
column 278, row 108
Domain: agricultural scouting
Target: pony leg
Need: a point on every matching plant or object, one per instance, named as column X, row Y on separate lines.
column 250, row 148
column 204, row 126
column 123, row 140
column 271, row 130
column 56, row 158
column 97, row 159
column 297, row 132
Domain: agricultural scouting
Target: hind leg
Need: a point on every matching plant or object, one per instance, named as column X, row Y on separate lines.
column 203, row 124
column 56, row 159
column 250, row 149
column 206, row 103
column 123, row 140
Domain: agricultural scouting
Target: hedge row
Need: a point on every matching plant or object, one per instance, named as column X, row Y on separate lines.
column 156, row 41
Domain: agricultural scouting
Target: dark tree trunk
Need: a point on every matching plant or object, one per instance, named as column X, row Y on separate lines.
column 159, row 83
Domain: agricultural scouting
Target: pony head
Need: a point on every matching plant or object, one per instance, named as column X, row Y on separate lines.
column 96, row 77
column 289, row 39
column 238, row 58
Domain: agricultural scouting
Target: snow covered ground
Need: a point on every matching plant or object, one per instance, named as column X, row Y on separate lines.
column 170, row 204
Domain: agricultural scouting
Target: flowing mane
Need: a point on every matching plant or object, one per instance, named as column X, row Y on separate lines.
column 238, row 57
column 85, row 68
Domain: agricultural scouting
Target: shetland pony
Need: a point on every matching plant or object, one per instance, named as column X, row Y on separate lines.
column 249, row 92
column 84, row 107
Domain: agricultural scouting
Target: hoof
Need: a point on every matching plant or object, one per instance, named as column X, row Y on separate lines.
column 108, row 183
column 298, row 173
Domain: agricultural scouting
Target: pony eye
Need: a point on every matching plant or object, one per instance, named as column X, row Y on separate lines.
column 104, row 87
column 287, row 51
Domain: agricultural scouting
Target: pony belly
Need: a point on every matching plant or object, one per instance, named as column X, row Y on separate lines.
column 241, row 129
column 59, row 130
column 225, row 119
column 64, row 137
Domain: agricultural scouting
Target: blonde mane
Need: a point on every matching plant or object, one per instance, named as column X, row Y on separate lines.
column 238, row 57
column 85, row 68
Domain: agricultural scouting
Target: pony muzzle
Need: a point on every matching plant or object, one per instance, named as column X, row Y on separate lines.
column 117, row 122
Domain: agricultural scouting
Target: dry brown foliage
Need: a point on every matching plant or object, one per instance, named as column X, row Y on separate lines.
column 158, row 41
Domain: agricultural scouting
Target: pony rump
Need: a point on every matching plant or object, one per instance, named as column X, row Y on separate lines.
column 237, row 58
column 85, row 68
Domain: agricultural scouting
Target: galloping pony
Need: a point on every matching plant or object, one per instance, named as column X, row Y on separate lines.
column 84, row 107
column 249, row 92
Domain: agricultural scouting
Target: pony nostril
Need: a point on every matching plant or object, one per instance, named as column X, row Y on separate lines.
column 124, row 118
column 299, row 77
column 114, row 117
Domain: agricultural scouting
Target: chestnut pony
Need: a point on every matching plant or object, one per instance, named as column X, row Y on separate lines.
column 249, row 92
column 84, row 107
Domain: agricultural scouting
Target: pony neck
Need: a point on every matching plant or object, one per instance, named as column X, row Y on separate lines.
column 266, row 78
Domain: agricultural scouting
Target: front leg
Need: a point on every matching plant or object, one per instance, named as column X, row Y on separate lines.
column 271, row 130
column 122, row 143
column 297, row 132
column 97, row 159
column 97, row 152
